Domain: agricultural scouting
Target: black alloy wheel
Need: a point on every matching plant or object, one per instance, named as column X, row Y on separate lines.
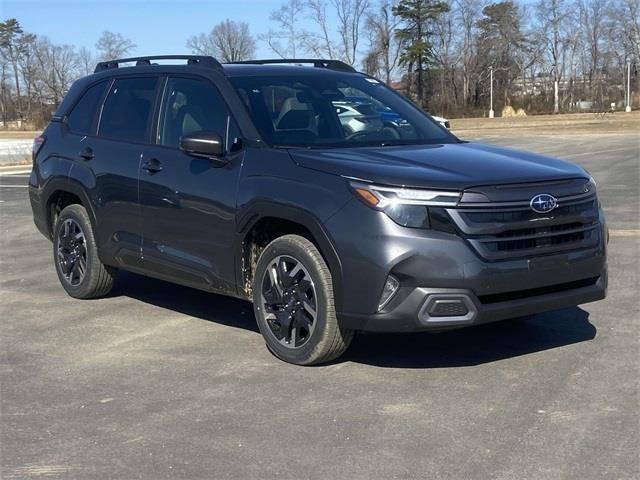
column 289, row 301
column 72, row 252
column 75, row 254
column 293, row 303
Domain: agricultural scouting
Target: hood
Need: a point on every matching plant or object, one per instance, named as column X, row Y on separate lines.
column 446, row 166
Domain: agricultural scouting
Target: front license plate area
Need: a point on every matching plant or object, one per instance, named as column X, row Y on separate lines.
column 548, row 263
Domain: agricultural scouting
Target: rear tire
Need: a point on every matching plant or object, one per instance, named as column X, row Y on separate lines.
column 75, row 255
column 293, row 303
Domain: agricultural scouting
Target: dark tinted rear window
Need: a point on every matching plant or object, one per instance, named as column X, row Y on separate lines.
column 127, row 109
column 83, row 116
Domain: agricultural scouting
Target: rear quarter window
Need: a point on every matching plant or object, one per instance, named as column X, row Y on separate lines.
column 128, row 108
column 82, row 118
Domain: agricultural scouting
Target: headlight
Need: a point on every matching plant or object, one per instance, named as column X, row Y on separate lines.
column 405, row 206
column 415, row 216
column 591, row 187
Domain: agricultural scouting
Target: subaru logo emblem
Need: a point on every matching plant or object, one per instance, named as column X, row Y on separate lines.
column 543, row 203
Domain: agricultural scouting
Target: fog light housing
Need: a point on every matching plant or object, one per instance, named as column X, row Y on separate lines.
column 389, row 290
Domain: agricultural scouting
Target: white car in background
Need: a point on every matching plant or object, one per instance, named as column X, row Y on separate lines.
column 442, row 121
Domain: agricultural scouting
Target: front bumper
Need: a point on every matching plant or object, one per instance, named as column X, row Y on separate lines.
column 411, row 313
column 433, row 264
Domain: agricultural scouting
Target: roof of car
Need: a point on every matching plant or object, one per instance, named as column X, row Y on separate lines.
column 236, row 70
column 280, row 66
column 230, row 70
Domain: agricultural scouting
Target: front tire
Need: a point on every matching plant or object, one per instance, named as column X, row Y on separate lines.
column 75, row 255
column 293, row 303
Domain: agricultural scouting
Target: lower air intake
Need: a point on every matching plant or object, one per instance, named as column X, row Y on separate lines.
column 448, row 308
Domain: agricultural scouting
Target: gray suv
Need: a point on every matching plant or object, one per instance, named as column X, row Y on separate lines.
column 242, row 179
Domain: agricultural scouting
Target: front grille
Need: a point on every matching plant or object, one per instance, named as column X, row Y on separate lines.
column 538, row 237
column 506, row 231
column 528, row 214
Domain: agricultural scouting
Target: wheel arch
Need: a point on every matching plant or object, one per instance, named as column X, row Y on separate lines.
column 272, row 221
column 61, row 192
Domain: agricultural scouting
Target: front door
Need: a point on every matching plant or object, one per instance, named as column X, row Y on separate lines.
column 188, row 203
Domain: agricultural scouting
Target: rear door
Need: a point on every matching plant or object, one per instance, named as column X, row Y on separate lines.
column 188, row 203
column 114, row 157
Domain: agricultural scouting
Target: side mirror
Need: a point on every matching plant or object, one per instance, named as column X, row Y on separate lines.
column 203, row 144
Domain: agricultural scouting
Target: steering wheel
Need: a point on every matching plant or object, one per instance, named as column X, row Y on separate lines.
column 388, row 131
column 356, row 135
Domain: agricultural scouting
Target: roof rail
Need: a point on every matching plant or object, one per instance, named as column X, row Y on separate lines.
column 200, row 60
column 316, row 62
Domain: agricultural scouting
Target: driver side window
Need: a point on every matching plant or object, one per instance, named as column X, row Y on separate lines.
column 190, row 106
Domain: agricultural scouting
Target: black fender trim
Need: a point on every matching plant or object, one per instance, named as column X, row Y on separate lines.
column 59, row 184
column 261, row 209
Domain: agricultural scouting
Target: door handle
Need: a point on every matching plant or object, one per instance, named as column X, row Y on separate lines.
column 152, row 166
column 86, row 153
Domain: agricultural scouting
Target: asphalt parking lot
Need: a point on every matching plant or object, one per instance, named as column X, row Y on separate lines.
column 159, row 381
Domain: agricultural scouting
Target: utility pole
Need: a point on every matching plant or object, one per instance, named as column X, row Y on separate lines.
column 491, row 93
column 628, row 109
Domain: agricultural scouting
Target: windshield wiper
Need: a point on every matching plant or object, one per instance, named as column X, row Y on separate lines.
column 292, row 146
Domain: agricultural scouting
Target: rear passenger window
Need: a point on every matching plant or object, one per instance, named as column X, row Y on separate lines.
column 83, row 116
column 128, row 108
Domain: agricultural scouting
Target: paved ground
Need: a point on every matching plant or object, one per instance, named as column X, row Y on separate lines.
column 160, row 381
column 580, row 123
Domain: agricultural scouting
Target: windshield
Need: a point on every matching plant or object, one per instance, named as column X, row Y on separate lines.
column 334, row 111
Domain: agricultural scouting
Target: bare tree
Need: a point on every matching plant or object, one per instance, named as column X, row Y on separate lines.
column 574, row 46
column 5, row 89
column 592, row 17
column 320, row 44
column 228, row 41
column 466, row 12
column 384, row 48
column 113, row 45
column 447, row 58
column 350, row 14
column 551, row 18
column 58, row 66
column 287, row 37
column 628, row 22
column 86, row 61
column 28, row 69
column 623, row 34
